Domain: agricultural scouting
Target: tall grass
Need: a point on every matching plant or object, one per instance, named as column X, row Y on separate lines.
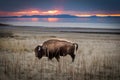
column 96, row 59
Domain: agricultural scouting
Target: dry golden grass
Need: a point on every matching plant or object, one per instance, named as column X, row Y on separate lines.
column 96, row 59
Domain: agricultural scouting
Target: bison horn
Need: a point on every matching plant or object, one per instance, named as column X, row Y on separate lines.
column 37, row 50
column 75, row 44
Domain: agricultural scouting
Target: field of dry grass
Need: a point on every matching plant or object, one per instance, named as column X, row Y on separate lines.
column 98, row 57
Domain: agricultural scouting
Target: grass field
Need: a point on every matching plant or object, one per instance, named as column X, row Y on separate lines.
column 98, row 56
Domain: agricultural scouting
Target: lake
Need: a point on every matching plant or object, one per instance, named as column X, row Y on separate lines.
column 85, row 22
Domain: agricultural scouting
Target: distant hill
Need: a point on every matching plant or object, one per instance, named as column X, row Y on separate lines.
column 56, row 16
column 50, row 16
column 42, row 16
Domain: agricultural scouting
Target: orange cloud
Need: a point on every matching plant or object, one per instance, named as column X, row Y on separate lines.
column 115, row 14
column 5, row 13
column 99, row 15
column 105, row 15
column 54, row 12
column 29, row 12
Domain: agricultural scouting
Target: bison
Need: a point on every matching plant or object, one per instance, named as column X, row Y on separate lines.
column 56, row 48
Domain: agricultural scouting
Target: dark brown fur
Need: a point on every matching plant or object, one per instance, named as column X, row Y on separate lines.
column 56, row 48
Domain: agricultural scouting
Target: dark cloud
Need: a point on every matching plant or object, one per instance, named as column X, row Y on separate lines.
column 75, row 5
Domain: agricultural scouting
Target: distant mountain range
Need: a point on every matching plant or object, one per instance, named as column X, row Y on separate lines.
column 51, row 16
column 42, row 16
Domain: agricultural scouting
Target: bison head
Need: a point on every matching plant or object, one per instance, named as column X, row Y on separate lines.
column 38, row 51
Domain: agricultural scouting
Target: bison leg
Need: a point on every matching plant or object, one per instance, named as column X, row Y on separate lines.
column 57, row 58
column 73, row 57
column 50, row 58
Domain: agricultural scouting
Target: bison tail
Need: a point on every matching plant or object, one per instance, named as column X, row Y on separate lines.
column 76, row 46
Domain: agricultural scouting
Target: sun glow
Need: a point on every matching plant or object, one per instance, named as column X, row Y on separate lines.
column 51, row 12
column 34, row 11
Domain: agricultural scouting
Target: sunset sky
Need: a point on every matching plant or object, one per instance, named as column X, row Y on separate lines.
column 53, row 7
